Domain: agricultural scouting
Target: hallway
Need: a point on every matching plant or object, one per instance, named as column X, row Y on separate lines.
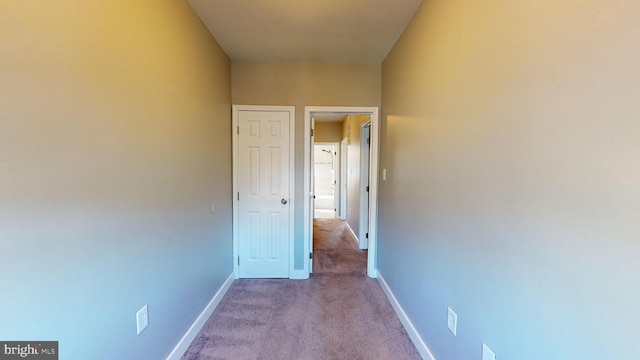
column 335, row 250
column 339, row 313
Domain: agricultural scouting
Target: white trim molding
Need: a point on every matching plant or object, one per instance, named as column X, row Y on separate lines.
column 197, row 325
column 406, row 322
column 299, row 275
column 373, row 184
column 355, row 237
column 365, row 165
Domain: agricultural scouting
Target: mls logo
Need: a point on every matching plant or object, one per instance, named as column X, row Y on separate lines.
column 33, row 350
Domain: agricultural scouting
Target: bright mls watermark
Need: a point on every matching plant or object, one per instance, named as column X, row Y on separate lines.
column 32, row 350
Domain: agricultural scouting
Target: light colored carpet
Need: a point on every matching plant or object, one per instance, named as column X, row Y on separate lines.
column 339, row 313
column 324, row 213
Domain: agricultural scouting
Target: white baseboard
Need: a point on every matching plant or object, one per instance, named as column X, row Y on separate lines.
column 188, row 337
column 353, row 233
column 406, row 322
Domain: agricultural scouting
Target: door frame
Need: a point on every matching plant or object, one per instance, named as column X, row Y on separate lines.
column 365, row 174
column 235, row 132
column 343, row 179
column 373, row 189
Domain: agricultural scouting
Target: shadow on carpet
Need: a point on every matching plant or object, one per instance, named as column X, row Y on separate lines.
column 338, row 313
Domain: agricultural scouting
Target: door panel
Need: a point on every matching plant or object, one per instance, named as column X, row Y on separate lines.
column 264, row 193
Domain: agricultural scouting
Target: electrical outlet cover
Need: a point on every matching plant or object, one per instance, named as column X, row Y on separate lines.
column 487, row 354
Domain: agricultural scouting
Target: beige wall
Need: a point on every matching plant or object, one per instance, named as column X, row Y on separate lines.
column 511, row 139
column 114, row 143
column 328, row 131
column 304, row 84
column 351, row 130
column 346, row 129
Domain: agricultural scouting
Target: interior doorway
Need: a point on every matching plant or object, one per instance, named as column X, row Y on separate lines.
column 326, row 186
column 351, row 209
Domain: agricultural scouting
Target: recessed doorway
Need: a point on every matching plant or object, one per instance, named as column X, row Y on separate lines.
column 326, row 186
column 359, row 209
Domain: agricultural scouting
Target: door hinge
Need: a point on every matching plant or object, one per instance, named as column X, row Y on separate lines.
column 311, row 132
column 367, row 189
column 311, row 256
column 366, row 235
column 368, row 141
column 238, row 260
column 238, row 130
column 238, row 196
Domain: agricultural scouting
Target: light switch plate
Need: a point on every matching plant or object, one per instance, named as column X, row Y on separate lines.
column 452, row 321
column 487, row 354
column 142, row 319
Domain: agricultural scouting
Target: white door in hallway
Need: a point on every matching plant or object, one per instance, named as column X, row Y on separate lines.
column 264, row 194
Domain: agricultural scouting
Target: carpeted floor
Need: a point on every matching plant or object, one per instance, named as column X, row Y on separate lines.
column 339, row 313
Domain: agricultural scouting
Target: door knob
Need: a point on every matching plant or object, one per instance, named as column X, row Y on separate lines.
column 284, row 201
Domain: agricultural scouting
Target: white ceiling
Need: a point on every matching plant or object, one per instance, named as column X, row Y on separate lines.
column 347, row 31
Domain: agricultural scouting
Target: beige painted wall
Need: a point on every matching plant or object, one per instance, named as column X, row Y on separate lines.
column 114, row 143
column 351, row 130
column 511, row 139
column 304, row 84
column 328, row 131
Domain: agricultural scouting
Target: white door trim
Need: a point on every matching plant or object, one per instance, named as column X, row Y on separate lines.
column 292, row 123
column 365, row 160
column 373, row 190
column 343, row 179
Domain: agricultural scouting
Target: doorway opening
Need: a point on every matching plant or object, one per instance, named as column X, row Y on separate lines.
column 356, row 146
column 326, row 186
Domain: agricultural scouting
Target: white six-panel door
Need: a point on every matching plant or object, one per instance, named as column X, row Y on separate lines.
column 263, row 194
